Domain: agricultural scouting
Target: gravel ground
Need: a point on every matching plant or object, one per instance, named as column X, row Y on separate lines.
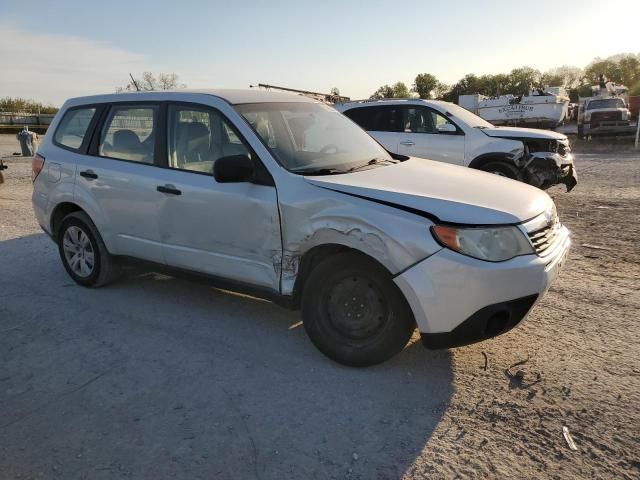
column 155, row 377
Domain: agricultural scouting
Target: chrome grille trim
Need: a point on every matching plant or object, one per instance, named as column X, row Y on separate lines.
column 544, row 232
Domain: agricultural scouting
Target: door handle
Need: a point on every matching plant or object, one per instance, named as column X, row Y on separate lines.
column 170, row 189
column 408, row 143
column 88, row 174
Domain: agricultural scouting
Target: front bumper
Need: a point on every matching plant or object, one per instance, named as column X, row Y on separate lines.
column 545, row 169
column 457, row 300
column 603, row 128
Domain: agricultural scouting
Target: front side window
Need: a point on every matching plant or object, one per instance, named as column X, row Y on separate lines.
column 196, row 138
column 129, row 133
column 422, row 120
column 308, row 137
column 73, row 127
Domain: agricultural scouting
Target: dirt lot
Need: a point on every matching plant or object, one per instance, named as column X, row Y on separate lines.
column 154, row 377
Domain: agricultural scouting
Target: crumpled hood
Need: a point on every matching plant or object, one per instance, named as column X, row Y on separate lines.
column 515, row 132
column 447, row 193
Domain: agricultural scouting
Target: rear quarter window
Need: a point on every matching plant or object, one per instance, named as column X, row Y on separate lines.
column 73, row 127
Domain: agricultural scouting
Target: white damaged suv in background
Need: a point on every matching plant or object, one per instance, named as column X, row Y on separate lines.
column 448, row 133
column 284, row 198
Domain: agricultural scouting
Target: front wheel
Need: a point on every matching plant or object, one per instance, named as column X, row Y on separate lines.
column 502, row 169
column 354, row 313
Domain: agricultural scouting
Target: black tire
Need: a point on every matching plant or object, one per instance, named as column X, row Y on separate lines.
column 103, row 270
column 339, row 290
column 580, row 133
column 503, row 169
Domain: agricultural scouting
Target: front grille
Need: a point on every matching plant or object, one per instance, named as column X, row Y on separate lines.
column 544, row 238
column 597, row 117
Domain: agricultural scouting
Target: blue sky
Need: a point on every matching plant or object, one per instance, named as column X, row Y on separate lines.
column 66, row 48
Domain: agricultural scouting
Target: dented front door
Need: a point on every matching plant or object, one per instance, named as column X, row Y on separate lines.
column 229, row 230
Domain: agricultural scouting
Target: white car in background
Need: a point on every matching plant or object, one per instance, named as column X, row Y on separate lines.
column 282, row 197
column 448, row 133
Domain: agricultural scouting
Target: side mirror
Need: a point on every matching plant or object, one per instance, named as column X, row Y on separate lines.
column 233, row 169
column 447, row 128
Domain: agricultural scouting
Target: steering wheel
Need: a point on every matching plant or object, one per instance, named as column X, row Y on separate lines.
column 327, row 149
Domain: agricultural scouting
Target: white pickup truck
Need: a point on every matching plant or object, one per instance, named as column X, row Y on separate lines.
column 448, row 133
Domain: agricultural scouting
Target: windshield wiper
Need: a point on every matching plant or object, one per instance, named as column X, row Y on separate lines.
column 373, row 161
column 338, row 171
column 321, row 171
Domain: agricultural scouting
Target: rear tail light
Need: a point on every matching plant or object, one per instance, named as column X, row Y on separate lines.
column 36, row 166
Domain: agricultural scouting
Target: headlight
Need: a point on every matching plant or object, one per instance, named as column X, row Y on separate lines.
column 493, row 244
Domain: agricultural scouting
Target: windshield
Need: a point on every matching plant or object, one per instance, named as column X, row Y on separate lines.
column 464, row 115
column 312, row 137
column 605, row 103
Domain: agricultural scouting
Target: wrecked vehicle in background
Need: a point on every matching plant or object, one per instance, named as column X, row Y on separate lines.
column 281, row 197
column 448, row 133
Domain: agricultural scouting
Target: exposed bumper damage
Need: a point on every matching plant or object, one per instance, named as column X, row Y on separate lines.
column 545, row 169
column 544, row 163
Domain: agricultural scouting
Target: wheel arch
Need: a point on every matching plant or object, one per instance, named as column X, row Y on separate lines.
column 59, row 212
column 316, row 255
column 481, row 160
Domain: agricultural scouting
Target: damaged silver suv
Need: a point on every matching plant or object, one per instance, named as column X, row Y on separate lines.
column 448, row 133
column 284, row 198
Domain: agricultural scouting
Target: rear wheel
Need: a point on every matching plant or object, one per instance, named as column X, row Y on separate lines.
column 503, row 169
column 83, row 253
column 354, row 313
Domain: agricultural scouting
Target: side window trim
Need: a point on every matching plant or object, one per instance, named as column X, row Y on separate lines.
column 264, row 177
column 82, row 149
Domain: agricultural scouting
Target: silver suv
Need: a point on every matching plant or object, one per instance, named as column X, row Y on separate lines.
column 286, row 199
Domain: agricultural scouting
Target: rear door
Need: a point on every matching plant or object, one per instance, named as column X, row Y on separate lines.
column 116, row 181
column 229, row 230
column 425, row 136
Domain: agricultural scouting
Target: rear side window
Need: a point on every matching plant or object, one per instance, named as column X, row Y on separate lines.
column 129, row 133
column 73, row 127
column 362, row 116
column 387, row 118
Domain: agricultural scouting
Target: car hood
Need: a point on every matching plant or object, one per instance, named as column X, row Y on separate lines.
column 442, row 192
column 514, row 132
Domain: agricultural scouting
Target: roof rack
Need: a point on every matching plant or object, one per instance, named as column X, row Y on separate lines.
column 324, row 97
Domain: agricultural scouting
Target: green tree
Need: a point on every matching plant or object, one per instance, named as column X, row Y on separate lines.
column 425, row 85
column 623, row 68
column 465, row 86
column 521, row 80
column 397, row 90
column 400, row 90
column 23, row 105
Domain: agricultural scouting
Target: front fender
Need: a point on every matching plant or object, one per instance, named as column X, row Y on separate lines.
column 394, row 238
